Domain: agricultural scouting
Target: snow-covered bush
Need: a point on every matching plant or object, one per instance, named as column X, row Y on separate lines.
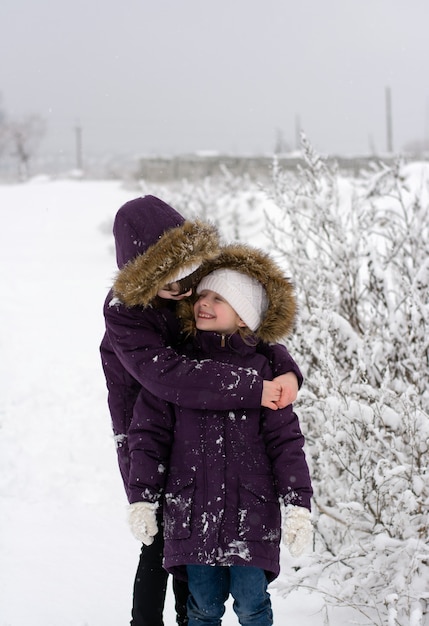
column 220, row 200
column 358, row 252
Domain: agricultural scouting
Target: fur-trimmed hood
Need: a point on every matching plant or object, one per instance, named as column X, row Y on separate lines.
column 279, row 318
column 153, row 243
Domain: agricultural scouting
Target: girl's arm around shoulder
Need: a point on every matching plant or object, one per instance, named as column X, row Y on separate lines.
column 285, row 371
column 140, row 341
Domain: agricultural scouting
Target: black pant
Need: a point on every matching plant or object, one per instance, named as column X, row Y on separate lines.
column 150, row 586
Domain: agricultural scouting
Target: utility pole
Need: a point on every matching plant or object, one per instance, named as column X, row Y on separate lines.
column 78, row 136
column 297, row 132
column 426, row 131
column 389, row 120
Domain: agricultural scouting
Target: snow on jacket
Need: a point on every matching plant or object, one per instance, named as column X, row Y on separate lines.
column 138, row 350
column 224, row 471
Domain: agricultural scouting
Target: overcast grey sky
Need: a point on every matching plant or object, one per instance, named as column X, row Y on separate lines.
column 172, row 76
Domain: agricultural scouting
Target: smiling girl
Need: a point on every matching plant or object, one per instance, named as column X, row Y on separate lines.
column 228, row 474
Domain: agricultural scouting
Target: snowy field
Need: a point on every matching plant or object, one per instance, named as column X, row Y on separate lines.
column 67, row 557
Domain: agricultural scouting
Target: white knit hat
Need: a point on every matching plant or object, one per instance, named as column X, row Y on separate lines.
column 245, row 294
column 184, row 272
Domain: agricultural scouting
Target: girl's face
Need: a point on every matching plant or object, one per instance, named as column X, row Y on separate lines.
column 172, row 292
column 212, row 312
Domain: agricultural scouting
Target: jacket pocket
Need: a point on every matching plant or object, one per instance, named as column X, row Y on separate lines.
column 259, row 509
column 178, row 501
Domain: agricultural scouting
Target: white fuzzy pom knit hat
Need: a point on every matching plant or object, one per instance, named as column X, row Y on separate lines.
column 245, row 294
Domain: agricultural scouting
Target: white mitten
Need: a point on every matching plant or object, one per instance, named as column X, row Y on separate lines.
column 297, row 529
column 142, row 521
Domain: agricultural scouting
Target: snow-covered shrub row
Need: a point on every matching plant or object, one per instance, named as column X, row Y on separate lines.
column 233, row 203
column 358, row 252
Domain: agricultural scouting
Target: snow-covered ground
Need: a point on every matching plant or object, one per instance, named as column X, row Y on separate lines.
column 67, row 557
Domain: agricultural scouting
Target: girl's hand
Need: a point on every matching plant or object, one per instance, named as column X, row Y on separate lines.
column 297, row 529
column 142, row 521
column 289, row 389
column 271, row 393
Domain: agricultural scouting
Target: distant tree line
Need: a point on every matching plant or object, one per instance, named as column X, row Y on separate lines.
column 20, row 138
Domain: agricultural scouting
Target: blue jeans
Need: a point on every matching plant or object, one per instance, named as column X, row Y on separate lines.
column 210, row 586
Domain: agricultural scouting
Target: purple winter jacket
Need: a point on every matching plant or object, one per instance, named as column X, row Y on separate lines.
column 139, row 348
column 224, row 472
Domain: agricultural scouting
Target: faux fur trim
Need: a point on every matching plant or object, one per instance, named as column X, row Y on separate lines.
column 279, row 319
column 139, row 281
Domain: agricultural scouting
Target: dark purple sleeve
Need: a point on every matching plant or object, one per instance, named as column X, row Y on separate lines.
column 280, row 360
column 285, row 447
column 140, row 347
column 149, row 442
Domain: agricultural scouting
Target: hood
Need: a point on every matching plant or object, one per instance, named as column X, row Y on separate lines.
column 279, row 318
column 139, row 224
column 153, row 244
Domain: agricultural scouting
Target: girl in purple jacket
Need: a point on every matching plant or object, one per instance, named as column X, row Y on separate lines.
column 158, row 254
column 227, row 476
